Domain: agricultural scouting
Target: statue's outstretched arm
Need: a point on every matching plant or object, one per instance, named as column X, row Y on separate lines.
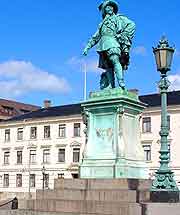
column 92, row 42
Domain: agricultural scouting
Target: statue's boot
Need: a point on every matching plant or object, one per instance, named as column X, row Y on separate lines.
column 110, row 77
column 119, row 74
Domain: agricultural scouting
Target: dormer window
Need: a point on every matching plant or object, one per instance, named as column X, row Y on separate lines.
column 23, row 111
column 8, row 110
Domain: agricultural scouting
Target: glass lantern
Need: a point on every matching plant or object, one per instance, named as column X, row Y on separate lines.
column 163, row 55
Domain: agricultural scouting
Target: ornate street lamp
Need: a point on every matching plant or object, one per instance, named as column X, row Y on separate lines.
column 163, row 55
column 43, row 173
column 164, row 188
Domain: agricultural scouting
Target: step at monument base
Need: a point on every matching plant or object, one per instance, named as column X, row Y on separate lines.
column 92, row 196
column 102, row 184
column 85, row 207
column 89, row 195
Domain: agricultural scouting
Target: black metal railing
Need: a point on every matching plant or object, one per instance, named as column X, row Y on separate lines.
column 14, row 203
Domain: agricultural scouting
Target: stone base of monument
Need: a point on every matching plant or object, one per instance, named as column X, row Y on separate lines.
column 113, row 148
column 92, row 196
column 164, row 196
column 95, row 197
column 160, row 208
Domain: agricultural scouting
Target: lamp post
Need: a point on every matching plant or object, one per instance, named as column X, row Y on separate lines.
column 43, row 173
column 29, row 170
column 164, row 188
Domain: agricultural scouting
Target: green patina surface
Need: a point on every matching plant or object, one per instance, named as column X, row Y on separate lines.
column 112, row 93
column 164, row 178
column 113, row 40
column 113, row 148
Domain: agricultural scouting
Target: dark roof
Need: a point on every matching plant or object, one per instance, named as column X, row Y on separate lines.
column 65, row 110
column 152, row 100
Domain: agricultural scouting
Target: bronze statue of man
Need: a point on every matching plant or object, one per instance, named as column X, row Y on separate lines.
column 113, row 41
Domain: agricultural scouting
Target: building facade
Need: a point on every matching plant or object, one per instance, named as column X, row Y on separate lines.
column 40, row 146
column 150, row 128
column 37, row 147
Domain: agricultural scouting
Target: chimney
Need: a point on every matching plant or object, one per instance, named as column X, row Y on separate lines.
column 47, row 103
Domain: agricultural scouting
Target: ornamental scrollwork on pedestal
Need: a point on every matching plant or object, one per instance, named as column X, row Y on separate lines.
column 104, row 133
column 85, row 116
column 120, row 110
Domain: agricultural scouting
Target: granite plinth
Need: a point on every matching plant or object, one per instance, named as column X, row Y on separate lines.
column 160, row 208
column 92, row 196
column 164, row 196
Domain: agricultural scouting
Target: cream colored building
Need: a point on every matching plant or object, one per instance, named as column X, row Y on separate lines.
column 150, row 127
column 54, row 138
column 49, row 140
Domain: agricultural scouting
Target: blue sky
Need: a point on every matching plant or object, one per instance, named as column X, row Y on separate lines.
column 42, row 42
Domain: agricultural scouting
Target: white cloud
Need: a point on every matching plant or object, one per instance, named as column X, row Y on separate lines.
column 139, row 50
column 91, row 64
column 21, row 77
column 177, row 53
column 175, row 82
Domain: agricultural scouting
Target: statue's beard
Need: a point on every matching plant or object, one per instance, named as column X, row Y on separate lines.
column 109, row 13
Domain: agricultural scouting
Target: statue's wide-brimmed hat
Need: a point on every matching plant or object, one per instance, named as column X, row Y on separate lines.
column 112, row 3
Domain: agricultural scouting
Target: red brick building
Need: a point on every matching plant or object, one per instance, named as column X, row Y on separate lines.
column 10, row 108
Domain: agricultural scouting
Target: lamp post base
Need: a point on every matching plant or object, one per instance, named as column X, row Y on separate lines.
column 164, row 196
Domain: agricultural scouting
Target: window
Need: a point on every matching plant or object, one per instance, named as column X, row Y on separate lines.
column 168, row 122
column 32, row 155
column 46, row 180
column 20, row 134
column 76, row 152
column 147, row 152
column 46, row 156
column 60, row 175
column 32, row 180
column 62, row 130
column 23, row 111
column 8, row 110
column 146, row 124
column 61, row 155
column 33, row 133
column 19, row 157
column 18, row 180
column 6, row 158
column 75, row 175
column 46, row 131
column 7, row 135
column 6, row 180
column 76, row 129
